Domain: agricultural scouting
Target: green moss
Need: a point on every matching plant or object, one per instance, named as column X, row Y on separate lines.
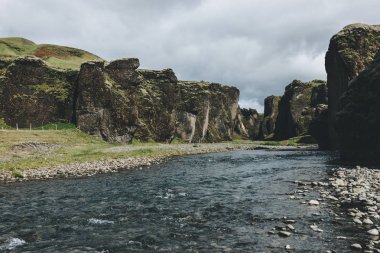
column 4, row 125
column 58, row 90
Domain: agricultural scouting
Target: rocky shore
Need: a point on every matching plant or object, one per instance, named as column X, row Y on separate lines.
column 353, row 195
column 90, row 168
column 84, row 169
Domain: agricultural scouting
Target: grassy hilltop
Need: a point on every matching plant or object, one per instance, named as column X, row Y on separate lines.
column 56, row 56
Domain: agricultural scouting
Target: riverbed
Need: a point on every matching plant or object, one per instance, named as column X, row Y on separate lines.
column 223, row 202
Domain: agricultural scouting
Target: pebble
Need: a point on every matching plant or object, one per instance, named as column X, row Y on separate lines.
column 357, row 221
column 373, row 231
column 314, row 202
column 284, row 233
column 367, row 221
column 356, row 246
column 291, row 227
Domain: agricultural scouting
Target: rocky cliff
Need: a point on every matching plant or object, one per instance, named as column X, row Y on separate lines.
column 41, row 84
column 358, row 120
column 33, row 94
column 297, row 108
column 248, row 123
column 268, row 123
column 118, row 102
column 350, row 51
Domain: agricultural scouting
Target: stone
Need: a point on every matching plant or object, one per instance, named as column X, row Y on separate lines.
column 357, row 221
column 367, row 221
column 373, row 232
column 291, row 227
column 314, row 202
column 356, row 246
column 284, row 233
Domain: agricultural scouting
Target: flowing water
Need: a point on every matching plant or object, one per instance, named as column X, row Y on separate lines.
column 225, row 202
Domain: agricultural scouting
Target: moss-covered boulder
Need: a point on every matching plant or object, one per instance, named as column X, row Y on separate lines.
column 350, row 52
column 268, row 123
column 297, row 108
column 34, row 94
column 358, row 120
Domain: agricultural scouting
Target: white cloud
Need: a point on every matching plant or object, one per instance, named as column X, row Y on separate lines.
column 258, row 46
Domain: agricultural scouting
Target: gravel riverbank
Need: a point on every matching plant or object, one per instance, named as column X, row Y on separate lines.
column 353, row 195
column 91, row 168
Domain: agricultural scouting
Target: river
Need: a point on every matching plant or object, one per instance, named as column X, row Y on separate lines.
column 225, row 202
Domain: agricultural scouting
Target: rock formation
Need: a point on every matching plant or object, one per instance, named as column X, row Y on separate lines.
column 297, row 108
column 33, row 94
column 248, row 123
column 118, row 102
column 268, row 124
column 358, row 120
column 350, row 51
column 114, row 100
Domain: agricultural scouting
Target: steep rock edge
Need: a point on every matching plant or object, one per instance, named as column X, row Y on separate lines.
column 358, row 120
column 297, row 108
column 33, row 94
column 268, row 123
column 248, row 123
column 119, row 103
column 350, row 51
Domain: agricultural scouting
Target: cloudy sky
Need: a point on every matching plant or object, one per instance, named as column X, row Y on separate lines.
column 257, row 45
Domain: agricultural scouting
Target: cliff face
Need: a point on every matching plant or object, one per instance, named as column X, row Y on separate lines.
column 358, row 120
column 297, row 108
column 118, row 102
column 32, row 93
column 41, row 84
column 248, row 123
column 210, row 107
column 268, row 124
column 350, row 51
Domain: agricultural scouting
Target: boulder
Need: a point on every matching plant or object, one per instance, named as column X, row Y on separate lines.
column 350, row 52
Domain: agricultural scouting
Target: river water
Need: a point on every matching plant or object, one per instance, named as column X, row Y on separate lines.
column 225, row 202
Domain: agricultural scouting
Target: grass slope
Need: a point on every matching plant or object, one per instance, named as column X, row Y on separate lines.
column 56, row 56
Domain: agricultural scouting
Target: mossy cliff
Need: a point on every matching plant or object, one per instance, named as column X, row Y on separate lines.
column 358, row 120
column 33, row 94
column 297, row 108
column 113, row 100
column 248, row 123
column 268, row 124
column 120, row 103
column 350, row 52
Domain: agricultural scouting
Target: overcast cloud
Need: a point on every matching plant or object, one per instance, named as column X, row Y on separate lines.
column 258, row 46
